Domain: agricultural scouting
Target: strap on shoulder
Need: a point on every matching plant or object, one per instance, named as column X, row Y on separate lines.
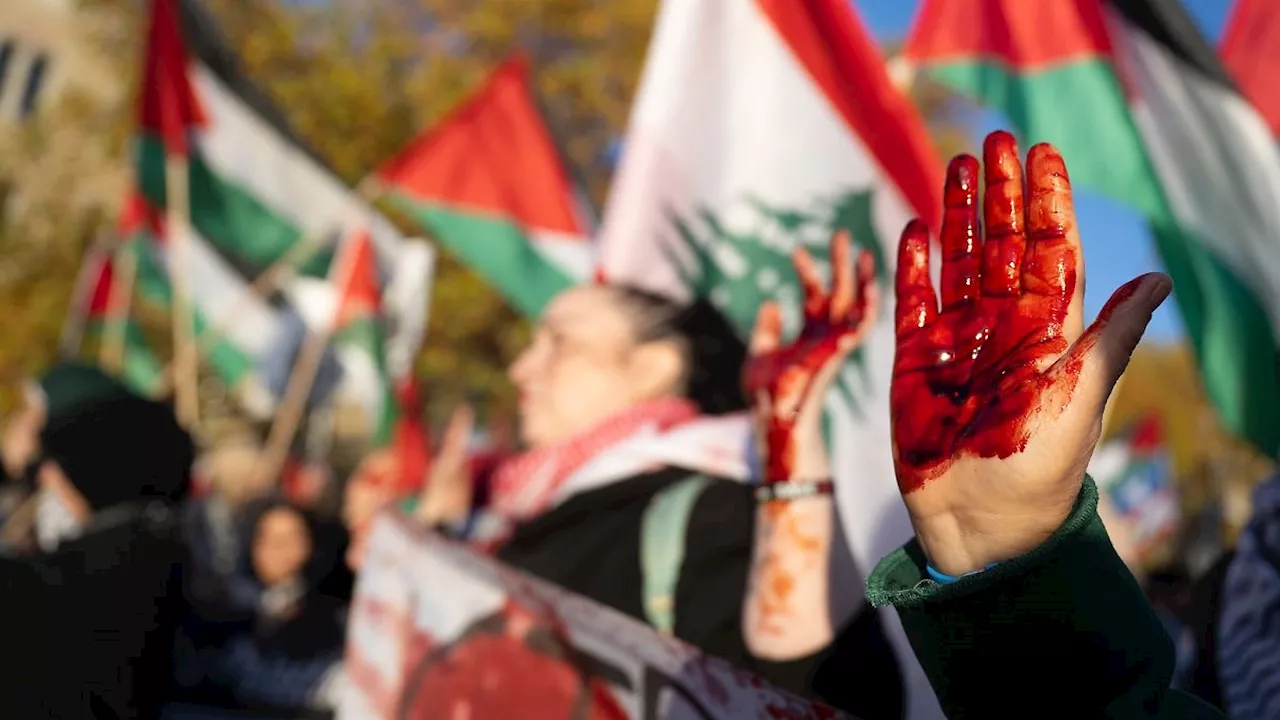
column 662, row 543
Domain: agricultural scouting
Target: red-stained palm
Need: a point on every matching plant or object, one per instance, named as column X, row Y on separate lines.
column 786, row 383
column 998, row 394
column 967, row 378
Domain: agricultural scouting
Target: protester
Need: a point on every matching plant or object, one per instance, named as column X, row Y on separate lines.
column 1248, row 647
column 217, row 523
column 285, row 655
column 93, row 612
column 633, row 491
column 1011, row 593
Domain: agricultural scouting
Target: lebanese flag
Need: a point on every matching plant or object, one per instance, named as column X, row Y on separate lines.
column 759, row 126
column 1141, row 108
column 489, row 183
column 1251, row 52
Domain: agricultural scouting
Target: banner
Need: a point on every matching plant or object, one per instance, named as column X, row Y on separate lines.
column 439, row 631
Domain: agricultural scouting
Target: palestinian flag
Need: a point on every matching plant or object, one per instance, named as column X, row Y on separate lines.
column 140, row 230
column 760, row 126
column 1144, row 112
column 90, row 315
column 489, row 183
column 256, row 190
column 358, row 329
column 1251, row 52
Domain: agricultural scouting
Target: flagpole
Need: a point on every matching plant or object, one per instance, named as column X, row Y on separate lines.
column 186, row 359
column 120, row 303
column 72, row 337
column 294, row 403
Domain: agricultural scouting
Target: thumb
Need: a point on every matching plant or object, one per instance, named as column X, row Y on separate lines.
column 1109, row 342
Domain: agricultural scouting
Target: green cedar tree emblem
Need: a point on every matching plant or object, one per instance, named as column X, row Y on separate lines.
column 739, row 267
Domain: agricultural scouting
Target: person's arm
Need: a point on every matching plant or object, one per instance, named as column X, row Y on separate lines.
column 1065, row 627
column 1248, row 632
column 789, row 610
column 1015, row 601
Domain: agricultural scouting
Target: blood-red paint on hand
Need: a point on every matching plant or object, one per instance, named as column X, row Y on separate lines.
column 781, row 380
column 967, row 378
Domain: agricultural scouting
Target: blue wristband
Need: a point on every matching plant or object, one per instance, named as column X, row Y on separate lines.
column 943, row 578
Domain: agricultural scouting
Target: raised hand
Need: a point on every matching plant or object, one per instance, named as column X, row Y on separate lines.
column 789, row 611
column 447, row 495
column 997, row 396
column 787, row 384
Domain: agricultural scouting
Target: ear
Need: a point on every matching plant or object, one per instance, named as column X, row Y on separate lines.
column 656, row 369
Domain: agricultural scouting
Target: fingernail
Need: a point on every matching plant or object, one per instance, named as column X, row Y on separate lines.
column 1160, row 287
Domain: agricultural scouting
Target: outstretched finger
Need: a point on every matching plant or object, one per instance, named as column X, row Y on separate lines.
column 457, row 434
column 867, row 305
column 1102, row 352
column 766, row 335
column 843, row 291
column 960, row 232
column 1005, row 243
column 917, row 305
column 1054, row 264
column 815, row 295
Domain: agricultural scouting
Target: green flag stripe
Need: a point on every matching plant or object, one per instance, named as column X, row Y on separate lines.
column 497, row 249
column 1080, row 108
column 248, row 233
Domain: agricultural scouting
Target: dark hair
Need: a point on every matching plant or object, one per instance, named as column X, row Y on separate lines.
column 258, row 511
column 713, row 352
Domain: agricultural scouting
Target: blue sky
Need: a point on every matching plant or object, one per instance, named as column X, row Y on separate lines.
column 1116, row 245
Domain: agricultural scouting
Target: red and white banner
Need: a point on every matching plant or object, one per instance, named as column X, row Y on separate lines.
column 439, row 631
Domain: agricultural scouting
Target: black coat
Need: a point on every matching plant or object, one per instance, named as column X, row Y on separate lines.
column 590, row 544
column 89, row 628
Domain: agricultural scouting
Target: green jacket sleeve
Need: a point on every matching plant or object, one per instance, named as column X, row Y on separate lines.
column 1063, row 631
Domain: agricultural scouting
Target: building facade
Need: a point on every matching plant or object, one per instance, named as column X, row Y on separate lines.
column 43, row 52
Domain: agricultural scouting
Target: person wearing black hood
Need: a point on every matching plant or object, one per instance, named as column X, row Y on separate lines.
column 94, row 610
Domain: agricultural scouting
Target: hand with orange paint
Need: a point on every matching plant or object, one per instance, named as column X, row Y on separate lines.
column 997, row 396
column 789, row 613
column 788, row 384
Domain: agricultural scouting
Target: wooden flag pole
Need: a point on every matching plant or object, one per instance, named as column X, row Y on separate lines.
column 72, row 338
column 294, row 403
column 186, row 359
column 120, row 302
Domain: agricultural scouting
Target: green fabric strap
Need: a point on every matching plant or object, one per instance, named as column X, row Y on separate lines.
column 662, row 543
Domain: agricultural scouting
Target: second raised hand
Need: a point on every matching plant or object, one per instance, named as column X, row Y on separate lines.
column 787, row 384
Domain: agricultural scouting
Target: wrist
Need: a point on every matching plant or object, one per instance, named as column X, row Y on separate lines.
column 798, row 455
column 955, row 548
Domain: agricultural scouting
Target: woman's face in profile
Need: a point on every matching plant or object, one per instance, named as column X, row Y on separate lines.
column 281, row 546
column 579, row 368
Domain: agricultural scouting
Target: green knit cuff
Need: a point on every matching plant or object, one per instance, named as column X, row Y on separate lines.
column 900, row 579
